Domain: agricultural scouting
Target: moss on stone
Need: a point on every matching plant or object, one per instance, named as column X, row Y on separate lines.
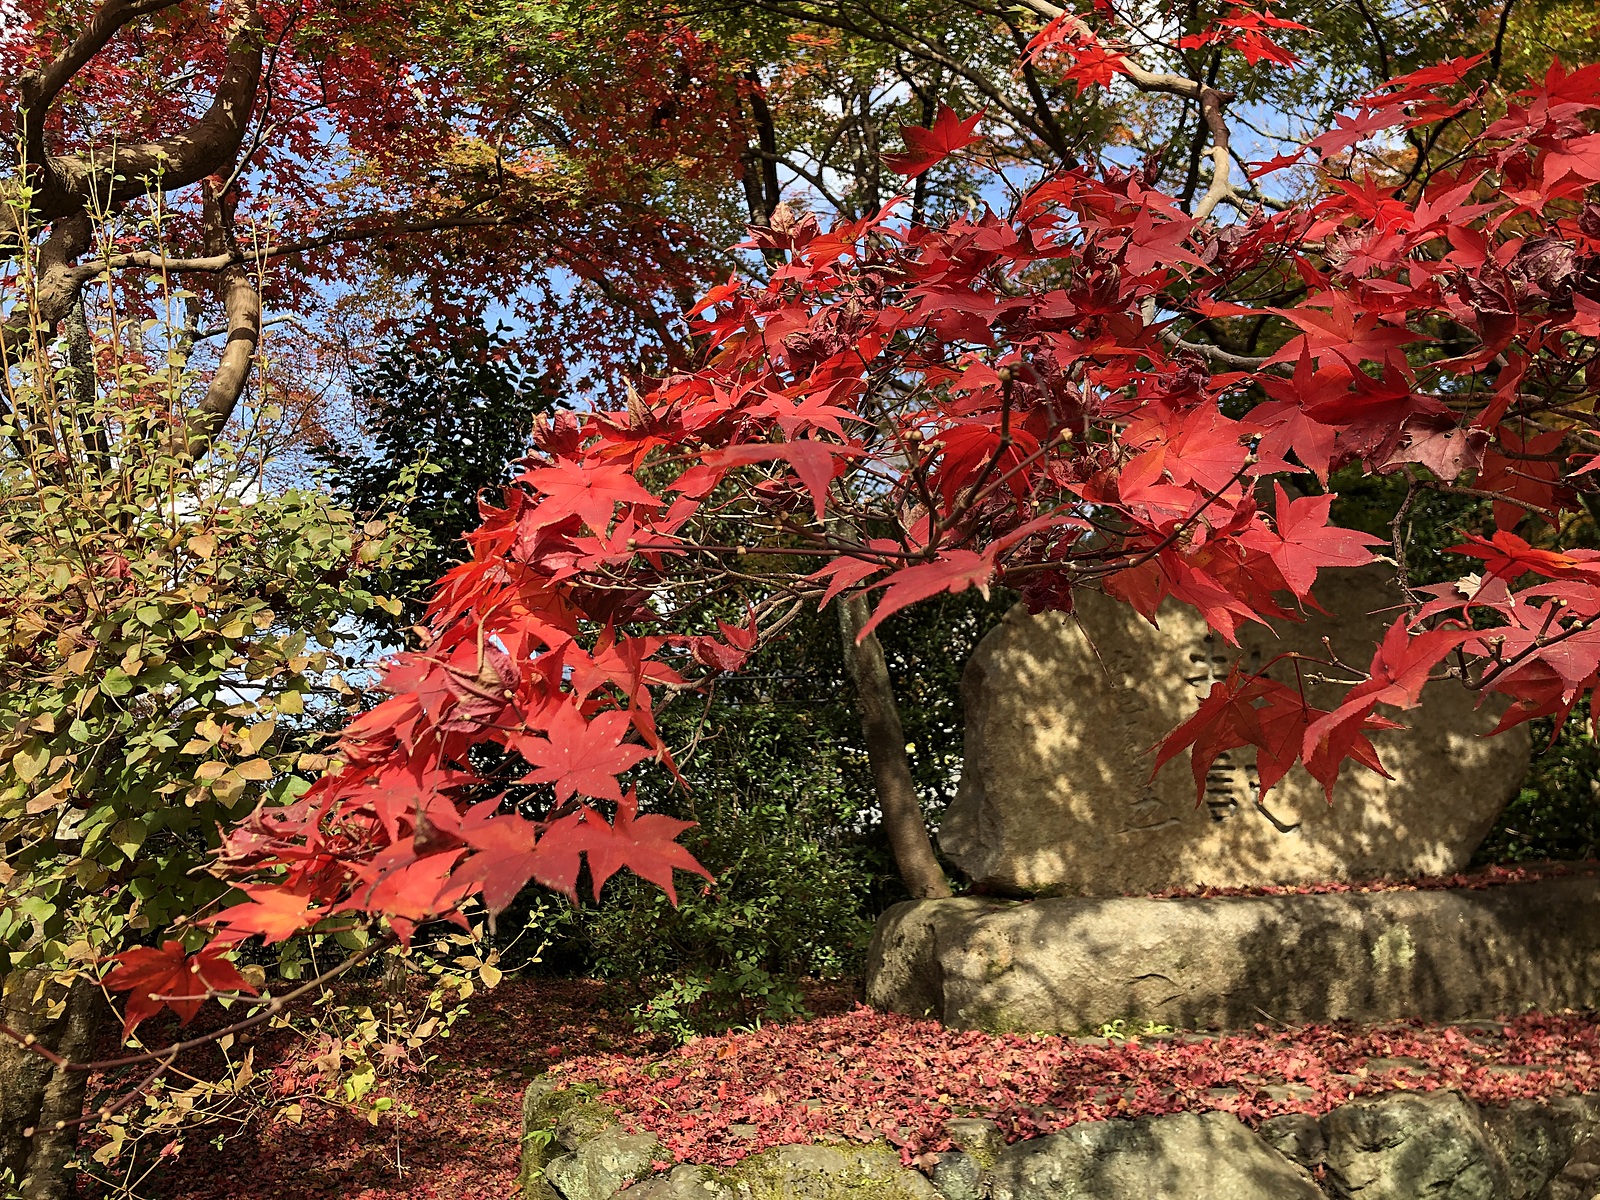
column 824, row 1172
column 546, row 1106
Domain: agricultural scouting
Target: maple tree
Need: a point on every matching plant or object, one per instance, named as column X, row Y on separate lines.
column 1048, row 398
column 1107, row 454
column 197, row 137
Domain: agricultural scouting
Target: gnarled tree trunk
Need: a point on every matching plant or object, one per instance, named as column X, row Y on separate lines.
column 35, row 1095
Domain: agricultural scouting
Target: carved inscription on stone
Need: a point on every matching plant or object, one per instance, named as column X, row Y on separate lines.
column 1062, row 712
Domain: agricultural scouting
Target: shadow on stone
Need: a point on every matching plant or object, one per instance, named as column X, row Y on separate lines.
column 1068, row 965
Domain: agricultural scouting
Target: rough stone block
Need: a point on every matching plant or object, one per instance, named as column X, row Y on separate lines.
column 1296, row 1136
column 1186, row 1156
column 1069, row 965
column 1412, row 1144
column 554, row 1118
column 828, row 1173
column 1061, row 710
column 602, row 1164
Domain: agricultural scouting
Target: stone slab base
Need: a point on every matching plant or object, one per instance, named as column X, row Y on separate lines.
column 1400, row 1146
column 1071, row 965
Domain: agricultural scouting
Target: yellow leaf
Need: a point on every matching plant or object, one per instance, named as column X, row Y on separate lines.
column 233, row 629
column 257, row 735
column 29, row 762
column 128, row 836
column 227, row 789
column 203, row 544
column 210, row 770
column 257, row 770
column 107, row 1154
column 490, row 974
column 291, row 703
column 79, row 662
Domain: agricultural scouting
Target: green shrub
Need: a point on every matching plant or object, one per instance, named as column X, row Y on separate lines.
column 1557, row 812
column 784, row 907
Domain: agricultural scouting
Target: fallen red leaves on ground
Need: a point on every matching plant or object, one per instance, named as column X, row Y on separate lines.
column 866, row 1075
column 855, row 1074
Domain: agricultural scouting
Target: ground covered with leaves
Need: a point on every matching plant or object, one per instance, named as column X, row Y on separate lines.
column 453, row 1131
column 849, row 1073
column 866, row 1075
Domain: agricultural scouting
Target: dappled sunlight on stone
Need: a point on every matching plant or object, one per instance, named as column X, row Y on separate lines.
column 1062, row 711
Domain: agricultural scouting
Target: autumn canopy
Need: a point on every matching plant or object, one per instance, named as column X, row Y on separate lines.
column 1036, row 394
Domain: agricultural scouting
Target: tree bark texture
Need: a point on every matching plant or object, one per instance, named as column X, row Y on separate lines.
column 35, row 1094
column 886, row 753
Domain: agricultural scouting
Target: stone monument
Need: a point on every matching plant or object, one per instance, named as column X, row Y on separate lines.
column 1062, row 710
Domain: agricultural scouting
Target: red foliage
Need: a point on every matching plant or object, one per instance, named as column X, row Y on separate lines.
column 925, row 147
column 803, row 1082
column 1007, row 399
column 169, row 978
column 869, row 1075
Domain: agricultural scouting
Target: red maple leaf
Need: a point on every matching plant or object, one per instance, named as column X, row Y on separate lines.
column 645, row 845
column 589, row 490
column 1508, row 556
column 1284, row 720
column 967, row 448
column 1526, row 470
column 1400, row 669
column 169, row 978
column 730, row 653
column 814, row 463
column 1093, row 63
column 848, row 570
column 509, row 853
column 925, row 147
column 953, row 571
column 1225, row 720
column 1308, row 542
column 580, row 755
column 1340, row 331
column 809, row 410
column 274, row 912
column 406, row 888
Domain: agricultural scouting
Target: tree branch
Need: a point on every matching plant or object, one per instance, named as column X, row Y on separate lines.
column 67, row 184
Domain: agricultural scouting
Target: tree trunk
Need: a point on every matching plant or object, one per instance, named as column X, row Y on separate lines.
column 886, row 752
column 35, row 1095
